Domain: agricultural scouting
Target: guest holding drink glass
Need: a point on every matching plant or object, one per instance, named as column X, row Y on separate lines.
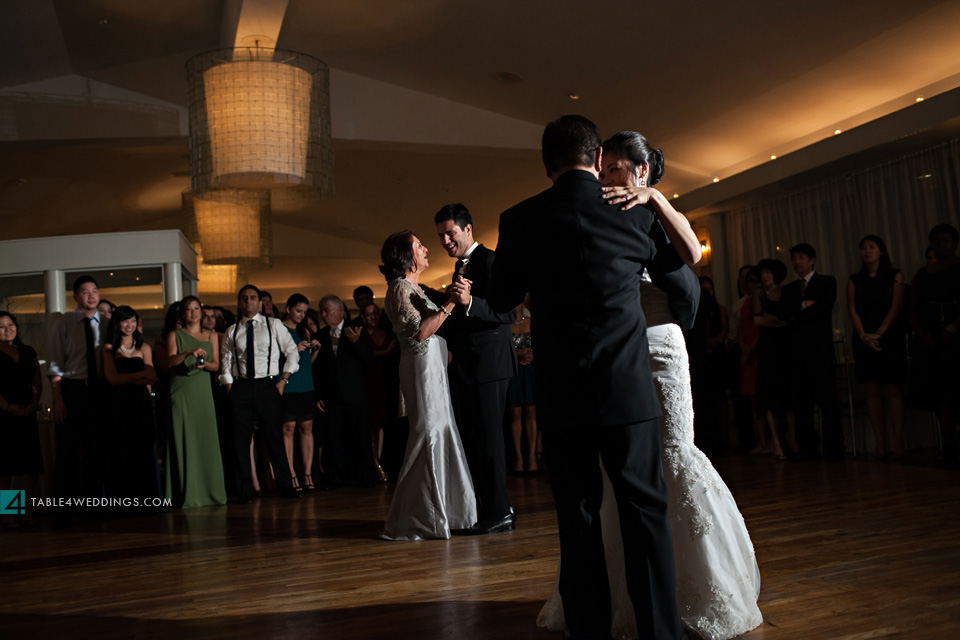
column 194, row 470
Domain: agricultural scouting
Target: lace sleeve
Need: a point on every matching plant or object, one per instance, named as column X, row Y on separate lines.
column 405, row 307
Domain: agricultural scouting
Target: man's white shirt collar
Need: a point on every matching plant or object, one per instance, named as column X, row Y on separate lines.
column 469, row 252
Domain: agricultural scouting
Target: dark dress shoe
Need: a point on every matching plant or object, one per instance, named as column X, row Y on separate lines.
column 506, row 523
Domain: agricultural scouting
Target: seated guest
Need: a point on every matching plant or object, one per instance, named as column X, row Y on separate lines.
column 341, row 385
column 808, row 307
column 934, row 310
column 194, row 470
column 298, row 395
column 128, row 368
column 874, row 302
column 20, row 387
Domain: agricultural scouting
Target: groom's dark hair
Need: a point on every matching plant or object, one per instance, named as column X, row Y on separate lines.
column 456, row 212
column 570, row 141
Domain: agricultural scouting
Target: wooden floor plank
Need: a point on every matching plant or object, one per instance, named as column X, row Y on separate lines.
column 850, row 550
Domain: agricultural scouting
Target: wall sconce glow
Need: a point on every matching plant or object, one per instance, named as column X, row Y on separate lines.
column 773, row 157
column 837, row 132
column 716, row 179
column 676, row 195
column 573, row 96
column 704, row 247
column 919, row 98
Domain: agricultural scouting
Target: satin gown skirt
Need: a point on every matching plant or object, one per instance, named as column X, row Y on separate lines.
column 718, row 579
column 434, row 492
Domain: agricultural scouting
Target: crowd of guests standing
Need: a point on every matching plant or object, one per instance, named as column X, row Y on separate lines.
column 326, row 407
column 137, row 424
column 783, row 348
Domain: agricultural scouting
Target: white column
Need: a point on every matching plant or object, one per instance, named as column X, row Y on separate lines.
column 192, row 287
column 54, row 287
column 172, row 283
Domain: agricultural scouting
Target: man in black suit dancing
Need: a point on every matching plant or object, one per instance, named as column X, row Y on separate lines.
column 808, row 302
column 581, row 261
column 483, row 363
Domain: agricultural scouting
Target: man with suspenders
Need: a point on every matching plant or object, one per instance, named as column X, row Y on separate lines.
column 254, row 387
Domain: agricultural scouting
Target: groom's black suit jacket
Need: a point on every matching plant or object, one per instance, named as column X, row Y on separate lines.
column 581, row 259
column 482, row 343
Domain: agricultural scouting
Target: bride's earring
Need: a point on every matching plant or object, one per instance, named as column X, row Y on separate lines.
column 643, row 182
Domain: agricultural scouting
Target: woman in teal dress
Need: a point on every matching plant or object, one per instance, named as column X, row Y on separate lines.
column 298, row 396
column 194, row 471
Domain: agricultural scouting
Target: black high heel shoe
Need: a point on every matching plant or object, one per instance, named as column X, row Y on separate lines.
column 308, row 482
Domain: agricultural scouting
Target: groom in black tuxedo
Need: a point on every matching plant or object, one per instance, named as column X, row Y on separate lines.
column 484, row 360
column 581, row 260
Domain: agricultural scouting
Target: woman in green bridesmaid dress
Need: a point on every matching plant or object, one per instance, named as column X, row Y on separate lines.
column 194, row 470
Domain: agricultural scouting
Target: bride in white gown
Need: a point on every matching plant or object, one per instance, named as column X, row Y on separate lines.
column 717, row 576
column 434, row 493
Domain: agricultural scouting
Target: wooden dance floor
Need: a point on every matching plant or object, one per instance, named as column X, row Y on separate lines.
column 851, row 550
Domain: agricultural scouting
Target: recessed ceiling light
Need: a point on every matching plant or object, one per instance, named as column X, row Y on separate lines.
column 773, row 157
column 919, row 98
column 103, row 22
column 716, row 179
column 573, row 96
column 676, row 195
column 837, row 132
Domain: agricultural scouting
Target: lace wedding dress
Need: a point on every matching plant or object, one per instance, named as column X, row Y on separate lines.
column 434, row 492
column 718, row 579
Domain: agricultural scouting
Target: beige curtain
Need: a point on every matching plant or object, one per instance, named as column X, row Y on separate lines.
column 899, row 201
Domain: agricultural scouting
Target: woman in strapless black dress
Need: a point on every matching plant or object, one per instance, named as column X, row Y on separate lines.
column 128, row 367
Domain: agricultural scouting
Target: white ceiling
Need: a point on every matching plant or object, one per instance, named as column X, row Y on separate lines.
column 93, row 126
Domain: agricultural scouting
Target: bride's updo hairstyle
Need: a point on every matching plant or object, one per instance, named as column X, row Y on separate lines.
column 397, row 255
column 635, row 148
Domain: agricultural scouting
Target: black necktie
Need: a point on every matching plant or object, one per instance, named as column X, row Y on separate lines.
column 458, row 269
column 251, row 353
column 803, row 287
column 89, row 328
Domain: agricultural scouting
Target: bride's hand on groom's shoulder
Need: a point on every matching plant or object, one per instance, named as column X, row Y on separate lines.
column 628, row 197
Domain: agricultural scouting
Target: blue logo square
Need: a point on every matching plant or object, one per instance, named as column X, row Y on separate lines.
column 13, row 502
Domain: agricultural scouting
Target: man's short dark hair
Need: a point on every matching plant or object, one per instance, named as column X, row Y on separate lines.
column 943, row 227
column 248, row 287
column 362, row 290
column 82, row 280
column 456, row 212
column 570, row 141
column 805, row 249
